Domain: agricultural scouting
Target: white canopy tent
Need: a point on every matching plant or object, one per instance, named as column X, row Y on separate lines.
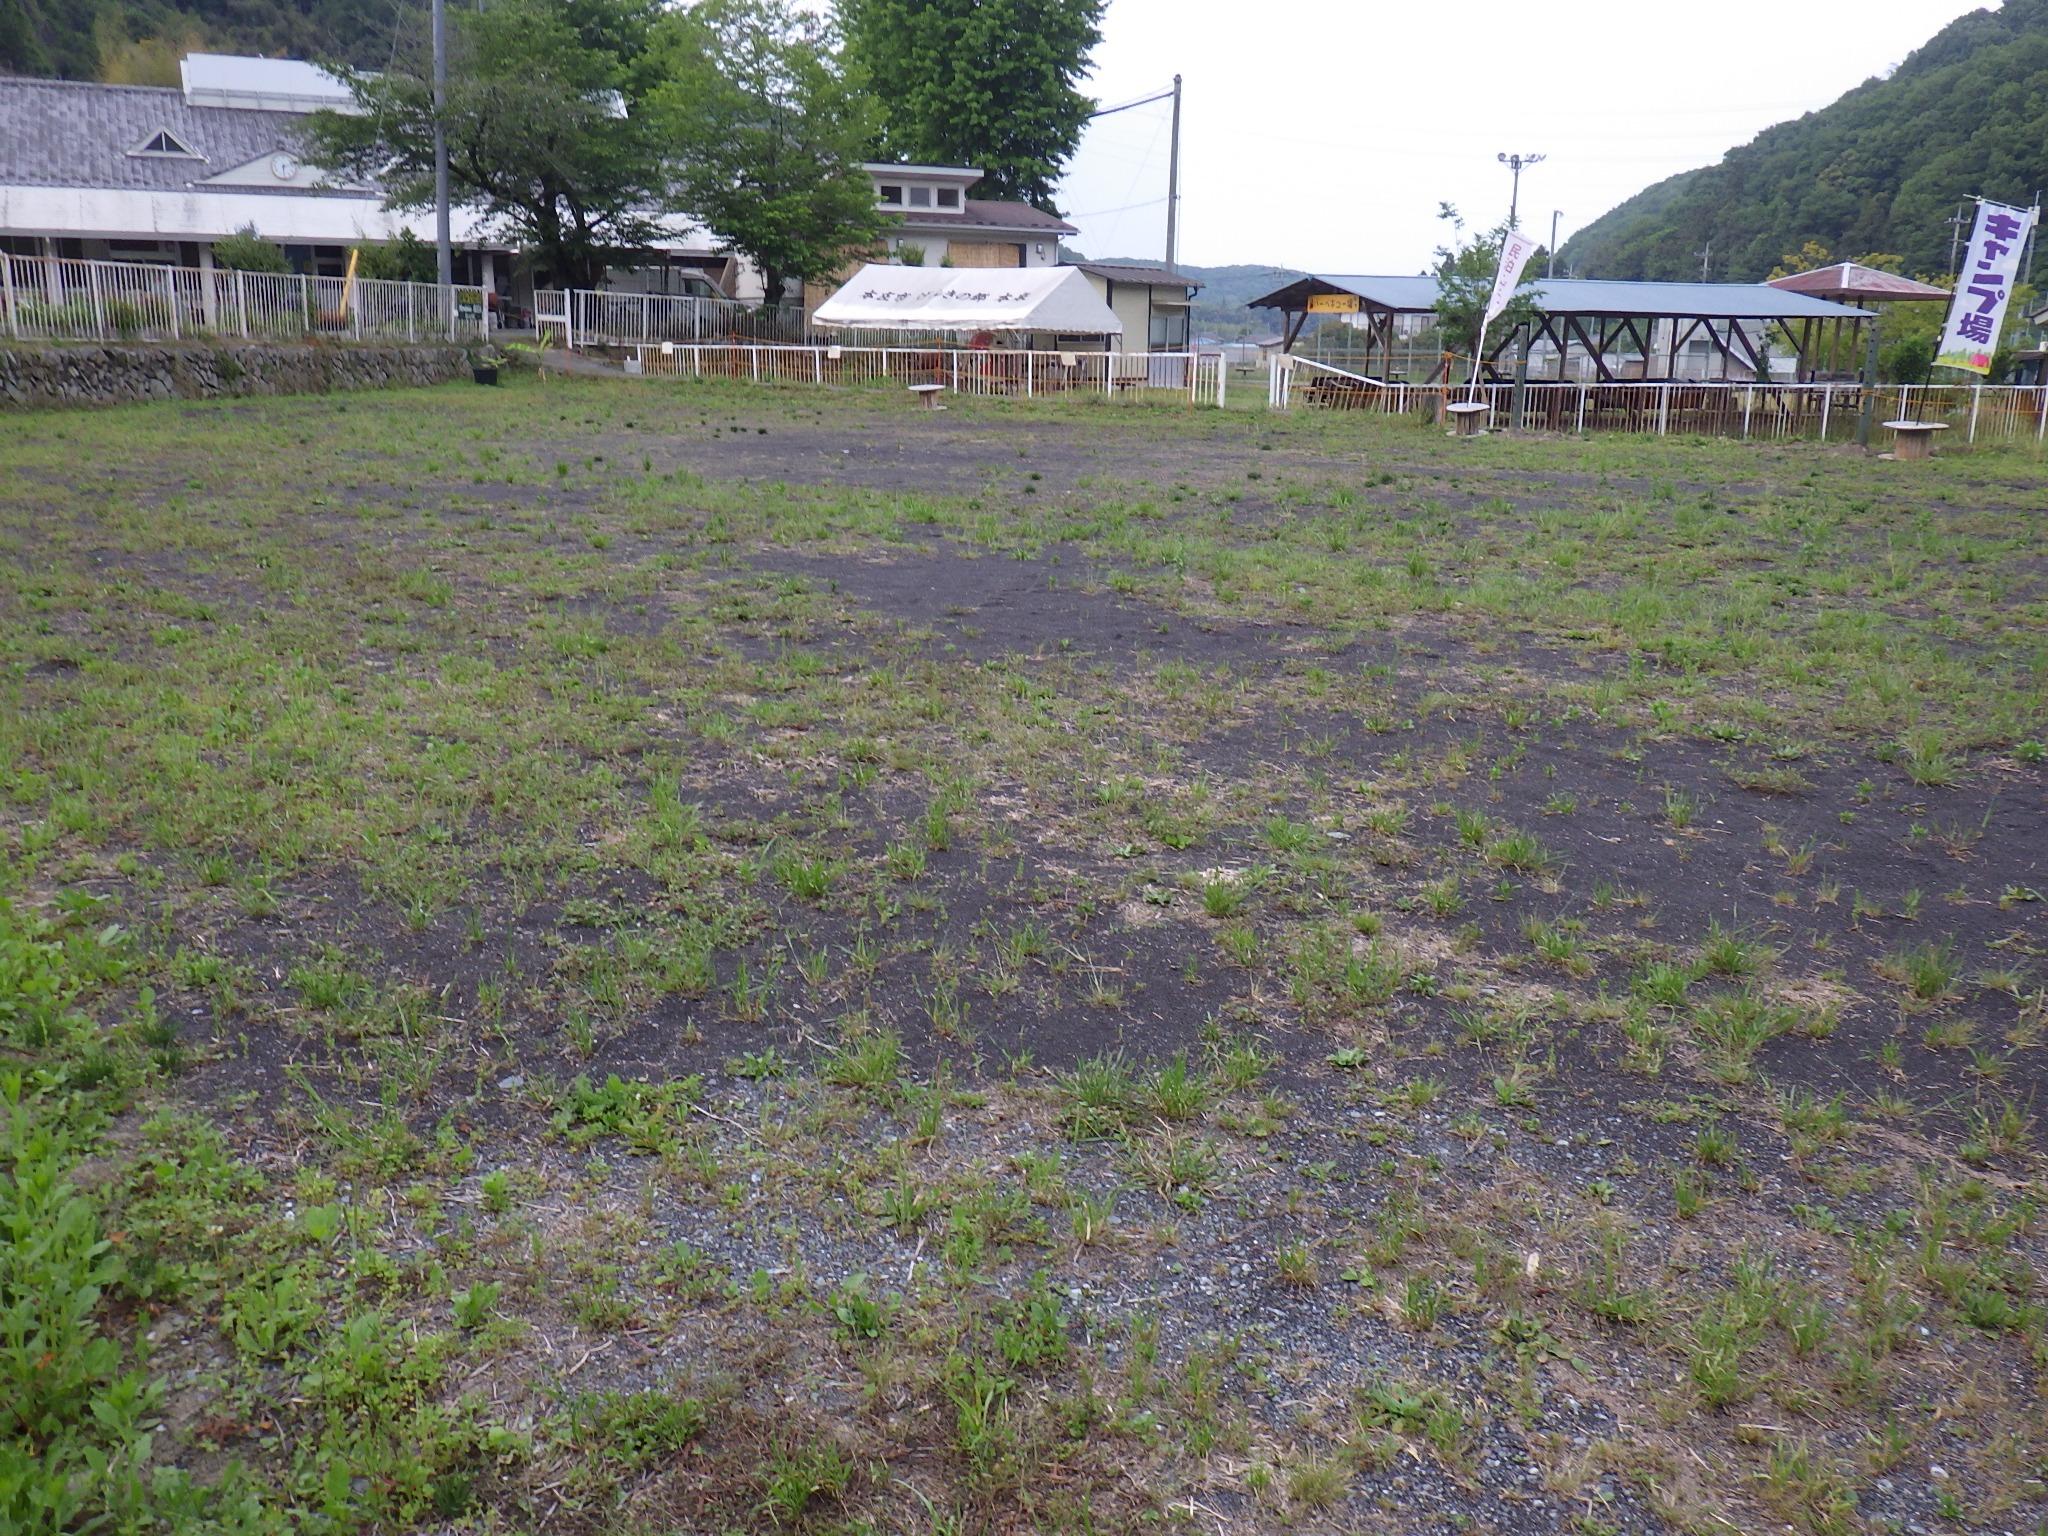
column 1055, row 300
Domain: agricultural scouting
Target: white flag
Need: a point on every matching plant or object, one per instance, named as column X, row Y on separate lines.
column 1515, row 252
column 1983, row 286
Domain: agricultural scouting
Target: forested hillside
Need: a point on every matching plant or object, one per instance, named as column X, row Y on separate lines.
column 138, row 41
column 1220, row 308
column 1879, row 170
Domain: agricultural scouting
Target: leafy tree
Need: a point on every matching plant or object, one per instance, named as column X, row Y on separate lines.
column 1906, row 359
column 767, row 135
column 408, row 259
column 1465, row 269
column 989, row 83
column 546, row 136
column 1810, row 257
column 247, row 251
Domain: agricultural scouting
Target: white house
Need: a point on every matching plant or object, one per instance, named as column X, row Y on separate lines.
column 933, row 216
column 158, row 174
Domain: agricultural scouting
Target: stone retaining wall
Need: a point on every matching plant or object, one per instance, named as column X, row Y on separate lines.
column 32, row 376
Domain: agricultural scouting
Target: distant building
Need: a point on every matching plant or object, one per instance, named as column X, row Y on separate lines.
column 1153, row 303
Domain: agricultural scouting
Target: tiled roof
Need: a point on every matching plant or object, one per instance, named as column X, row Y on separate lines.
column 1013, row 216
column 1852, row 280
column 1156, row 277
column 68, row 133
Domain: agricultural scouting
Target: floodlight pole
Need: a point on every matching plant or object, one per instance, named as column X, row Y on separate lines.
column 1515, row 164
column 444, row 256
column 1173, row 186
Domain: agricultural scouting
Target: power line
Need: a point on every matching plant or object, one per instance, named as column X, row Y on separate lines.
column 1125, row 106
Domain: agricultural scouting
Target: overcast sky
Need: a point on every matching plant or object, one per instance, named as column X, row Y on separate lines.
column 1322, row 134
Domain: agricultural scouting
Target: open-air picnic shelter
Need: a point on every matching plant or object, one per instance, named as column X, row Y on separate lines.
column 1851, row 283
column 1651, row 324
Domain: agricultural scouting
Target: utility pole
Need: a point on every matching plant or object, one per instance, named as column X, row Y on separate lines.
column 1515, row 164
column 444, row 256
column 1173, row 187
column 1706, row 255
column 1550, row 255
column 2033, row 240
column 1955, row 221
column 1172, row 164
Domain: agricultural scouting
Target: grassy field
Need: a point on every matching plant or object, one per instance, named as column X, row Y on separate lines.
column 640, row 957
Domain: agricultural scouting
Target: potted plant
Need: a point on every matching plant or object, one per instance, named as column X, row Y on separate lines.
column 484, row 366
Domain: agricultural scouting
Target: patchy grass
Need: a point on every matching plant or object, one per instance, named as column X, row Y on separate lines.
column 594, row 957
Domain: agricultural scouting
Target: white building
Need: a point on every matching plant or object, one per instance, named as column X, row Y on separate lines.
column 158, row 174
column 933, row 216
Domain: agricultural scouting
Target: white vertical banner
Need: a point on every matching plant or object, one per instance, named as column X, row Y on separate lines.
column 1515, row 252
column 1984, row 286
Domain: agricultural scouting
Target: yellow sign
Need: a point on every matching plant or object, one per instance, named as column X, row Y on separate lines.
column 1333, row 303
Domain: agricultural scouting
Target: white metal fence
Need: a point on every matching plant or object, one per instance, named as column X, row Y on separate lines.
column 586, row 317
column 1198, row 378
column 2001, row 413
column 53, row 299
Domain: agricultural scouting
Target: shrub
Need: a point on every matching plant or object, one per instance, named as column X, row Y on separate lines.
column 408, row 259
column 247, row 251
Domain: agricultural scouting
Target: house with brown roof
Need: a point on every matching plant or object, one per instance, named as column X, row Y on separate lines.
column 932, row 216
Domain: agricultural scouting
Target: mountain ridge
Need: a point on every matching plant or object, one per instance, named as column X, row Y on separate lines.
column 1878, row 170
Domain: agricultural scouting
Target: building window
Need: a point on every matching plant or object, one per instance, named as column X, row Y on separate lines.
column 163, row 142
column 949, row 197
column 1169, row 330
column 920, row 197
column 892, row 197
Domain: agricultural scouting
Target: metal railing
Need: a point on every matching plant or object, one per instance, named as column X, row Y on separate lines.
column 58, row 299
column 587, row 317
column 2002, row 413
column 1199, row 378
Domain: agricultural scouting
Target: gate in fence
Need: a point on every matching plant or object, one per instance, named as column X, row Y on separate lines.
column 586, row 317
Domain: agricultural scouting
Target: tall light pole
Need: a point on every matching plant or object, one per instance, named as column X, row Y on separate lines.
column 1515, row 164
column 1550, row 261
column 444, row 256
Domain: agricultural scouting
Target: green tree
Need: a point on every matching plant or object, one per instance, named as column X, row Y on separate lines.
column 766, row 135
column 546, row 132
column 1465, row 269
column 988, row 83
column 247, row 251
column 408, row 259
